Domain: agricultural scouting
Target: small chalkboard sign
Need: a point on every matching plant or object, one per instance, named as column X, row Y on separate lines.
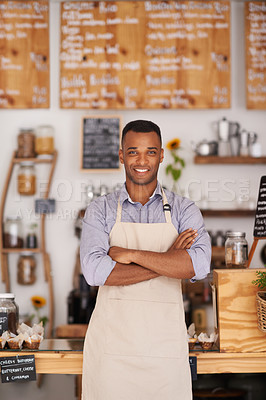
column 44, row 206
column 100, row 141
column 260, row 217
column 18, row 368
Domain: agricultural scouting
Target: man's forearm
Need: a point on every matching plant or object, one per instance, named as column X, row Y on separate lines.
column 173, row 264
column 127, row 274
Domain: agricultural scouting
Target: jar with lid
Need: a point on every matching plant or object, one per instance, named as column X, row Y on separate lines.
column 44, row 143
column 27, row 179
column 13, row 237
column 26, row 143
column 9, row 313
column 26, row 269
column 236, row 250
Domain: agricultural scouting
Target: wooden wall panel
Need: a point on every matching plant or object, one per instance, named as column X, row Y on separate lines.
column 24, row 54
column 145, row 54
column 255, row 22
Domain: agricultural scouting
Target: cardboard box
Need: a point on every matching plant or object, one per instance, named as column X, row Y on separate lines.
column 236, row 311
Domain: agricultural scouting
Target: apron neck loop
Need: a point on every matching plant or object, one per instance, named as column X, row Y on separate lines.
column 166, row 209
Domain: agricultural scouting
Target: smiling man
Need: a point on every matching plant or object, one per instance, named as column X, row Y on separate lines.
column 137, row 244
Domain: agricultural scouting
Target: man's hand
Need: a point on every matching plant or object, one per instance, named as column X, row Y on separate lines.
column 126, row 256
column 121, row 255
column 184, row 240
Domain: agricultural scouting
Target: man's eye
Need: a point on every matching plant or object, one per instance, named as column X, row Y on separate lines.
column 152, row 152
column 132, row 152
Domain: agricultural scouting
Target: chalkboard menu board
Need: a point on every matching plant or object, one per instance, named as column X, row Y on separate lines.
column 255, row 18
column 100, row 143
column 145, row 54
column 24, row 54
column 260, row 218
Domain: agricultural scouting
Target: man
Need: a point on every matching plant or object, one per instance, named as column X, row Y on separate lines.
column 137, row 244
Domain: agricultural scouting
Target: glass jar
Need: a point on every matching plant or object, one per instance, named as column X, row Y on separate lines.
column 9, row 313
column 26, row 179
column 44, row 143
column 13, row 237
column 236, row 250
column 31, row 238
column 26, row 269
column 26, row 143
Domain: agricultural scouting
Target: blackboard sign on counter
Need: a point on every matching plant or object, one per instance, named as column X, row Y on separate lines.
column 255, row 21
column 145, row 54
column 100, row 138
column 260, row 217
column 24, row 61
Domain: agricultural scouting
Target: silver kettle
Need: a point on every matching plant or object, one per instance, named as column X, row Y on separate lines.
column 205, row 148
column 226, row 129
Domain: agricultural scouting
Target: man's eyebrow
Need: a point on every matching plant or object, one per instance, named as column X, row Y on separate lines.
column 150, row 148
column 130, row 148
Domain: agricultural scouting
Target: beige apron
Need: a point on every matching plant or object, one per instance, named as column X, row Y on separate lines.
column 136, row 344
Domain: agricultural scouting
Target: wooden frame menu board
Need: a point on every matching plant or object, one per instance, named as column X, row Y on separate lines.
column 255, row 20
column 145, row 54
column 100, row 143
column 24, row 51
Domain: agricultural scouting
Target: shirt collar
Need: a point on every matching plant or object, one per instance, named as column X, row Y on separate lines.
column 125, row 196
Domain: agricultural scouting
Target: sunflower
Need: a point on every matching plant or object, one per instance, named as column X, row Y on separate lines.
column 175, row 168
column 38, row 301
column 173, row 144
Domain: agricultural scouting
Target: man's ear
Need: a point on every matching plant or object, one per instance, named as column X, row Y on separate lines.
column 121, row 157
column 162, row 155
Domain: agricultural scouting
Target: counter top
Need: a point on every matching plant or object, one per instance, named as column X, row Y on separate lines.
column 64, row 356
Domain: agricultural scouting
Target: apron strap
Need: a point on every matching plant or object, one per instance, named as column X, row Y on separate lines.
column 166, row 209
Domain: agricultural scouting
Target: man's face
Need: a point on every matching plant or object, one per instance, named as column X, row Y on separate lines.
column 141, row 154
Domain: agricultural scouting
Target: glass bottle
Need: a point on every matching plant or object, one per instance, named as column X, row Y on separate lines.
column 9, row 313
column 44, row 143
column 236, row 250
column 13, row 237
column 26, row 269
column 26, row 143
column 26, row 179
column 31, row 238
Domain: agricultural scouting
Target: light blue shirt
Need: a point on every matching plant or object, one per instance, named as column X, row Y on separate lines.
column 100, row 217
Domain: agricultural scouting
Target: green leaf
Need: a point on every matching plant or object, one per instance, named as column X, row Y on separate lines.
column 176, row 174
column 168, row 169
column 182, row 162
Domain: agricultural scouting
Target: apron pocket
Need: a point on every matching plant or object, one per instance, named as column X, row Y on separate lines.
column 143, row 328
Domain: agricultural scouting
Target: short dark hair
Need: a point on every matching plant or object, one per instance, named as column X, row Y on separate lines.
column 141, row 125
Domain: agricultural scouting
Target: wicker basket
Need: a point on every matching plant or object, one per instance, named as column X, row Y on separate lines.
column 261, row 310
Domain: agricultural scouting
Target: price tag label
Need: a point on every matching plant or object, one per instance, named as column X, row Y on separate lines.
column 193, row 367
column 18, row 368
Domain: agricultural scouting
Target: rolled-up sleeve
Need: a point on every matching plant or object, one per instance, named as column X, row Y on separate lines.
column 96, row 265
column 200, row 251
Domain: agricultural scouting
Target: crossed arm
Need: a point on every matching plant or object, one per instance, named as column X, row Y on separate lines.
column 133, row 266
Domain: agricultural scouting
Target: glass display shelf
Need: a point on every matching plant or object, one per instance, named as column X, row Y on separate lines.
column 55, row 345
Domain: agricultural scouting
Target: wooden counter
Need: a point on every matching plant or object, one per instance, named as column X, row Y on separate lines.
column 70, row 361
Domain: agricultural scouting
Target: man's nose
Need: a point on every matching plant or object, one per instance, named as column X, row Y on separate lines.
column 142, row 159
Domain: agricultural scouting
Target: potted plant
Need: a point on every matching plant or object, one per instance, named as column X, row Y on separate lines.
column 261, row 299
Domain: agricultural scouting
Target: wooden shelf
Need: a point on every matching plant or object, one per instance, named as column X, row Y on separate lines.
column 35, row 160
column 21, row 250
column 229, row 160
column 228, row 213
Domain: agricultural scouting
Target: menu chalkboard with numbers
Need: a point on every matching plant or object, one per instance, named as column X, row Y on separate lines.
column 100, row 143
column 24, row 55
column 255, row 20
column 145, row 54
column 260, row 217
